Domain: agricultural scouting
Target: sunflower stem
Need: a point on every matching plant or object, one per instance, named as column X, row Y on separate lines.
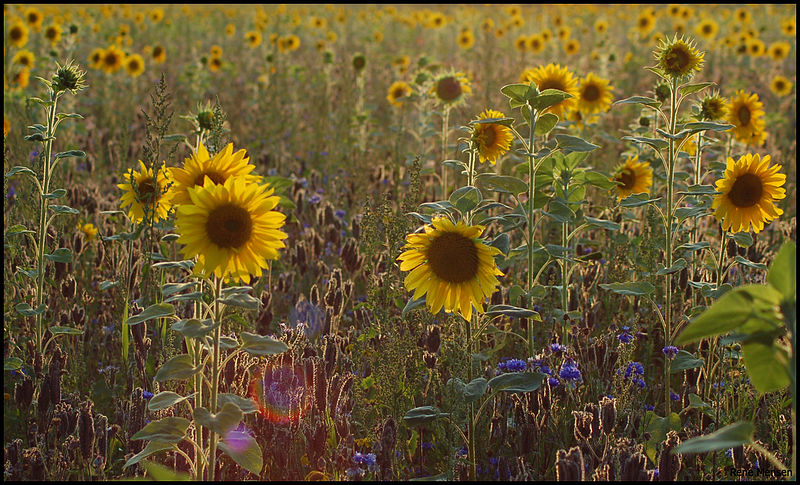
column 471, row 418
column 215, row 374
column 698, row 177
column 531, row 221
column 445, row 122
column 673, row 118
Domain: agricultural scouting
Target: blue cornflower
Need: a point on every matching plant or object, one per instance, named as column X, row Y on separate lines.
column 426, row 445
column 553, row 382
column 625, row 337
column 649, row 407
column 569, row 372
column 729, row 452
column 718, row 385
column 462, row 452
column 640, row 382
column 314, row 199
column 674, row 397
column 147, row 394
column 340, row 213
column 556, row 347
column 670, row 351
column 634, row 368
column 364, row 459
column 512, row 365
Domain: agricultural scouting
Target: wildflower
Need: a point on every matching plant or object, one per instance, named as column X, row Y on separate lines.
column 552, row 381
column 147, row 394
column 556, row 348
column 512, row 365
column 674, row 397
column 634, row 368
column 570, row 372
column 670, row 351
column 625, row 338
column 648, row 407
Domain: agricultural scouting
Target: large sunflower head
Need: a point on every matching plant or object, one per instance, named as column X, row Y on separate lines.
column 398, row 92
column 748, row 192
column 553, row 76
column 633, row 177
column 450, row 266
column 491, row 140
column 745, row 113
column 678, row 58
column 231, row 228
column 594, row 94
column 146, row 194
column 18, row 34
column 201, row 170
column 450, row 88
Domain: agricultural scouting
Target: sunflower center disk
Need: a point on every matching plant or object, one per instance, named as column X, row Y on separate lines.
column 448, row 89
column 591, row 93
column 627, row 178
column 746, row 191
column 229, row 226
column 744, row 115
column 147, row 190
column 215, row 177
column 453, row 258
column 487, row 137
column 551, row 84
column 677, row 60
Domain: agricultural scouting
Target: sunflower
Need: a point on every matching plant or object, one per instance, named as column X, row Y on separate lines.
column 156, row 15
column 466, row 39
column 134, row 65
column 521, row 43
column 579, row 119
column 756, row 47
column 594, row 94
column 288, row 43
column 53, row 33
column 487, row 25
column 398, row 91
column 230, row 30
column 436, row 20
column 451, row 88
column 159, row 54
column 18, row 34
column 215, row 64
column 678, row 58
column 747, row 193
column 200, row 170
column 22, row 78
column 713, row 107
column 253, row 38
column 96, row 58
column 646, row 22
column 216, row 51
column 789, row 27
column 547, row 35
column 143, row 190
column 492, row 140
column 25, row 58
column 707, row 29
column 745, row 113
column 112, row 59
column 563, row 33
column 553, row 76
column 571, row 47
column 743, row 15
column 535, row 43
column 601, row 26
column 88, row 230
column 451, row 266
column 781, row 86
column 34, row 18
column 779, row 50
column 633, row 177
column 231, row 228
column 500, row 32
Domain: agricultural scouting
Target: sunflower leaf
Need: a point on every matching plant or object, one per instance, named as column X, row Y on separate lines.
column 545, row 123
column 517, row 382
column 748, row 263
column 412, row 304
column 466, row 198
column 179, row 367
column 159, row 310
column 730, row 436
column 570, row 144
column 503, row 183
column 655, row 143
column 422, row 415
column 653, row 103
column 632, row 288
column 260, row 345
column 693, row 88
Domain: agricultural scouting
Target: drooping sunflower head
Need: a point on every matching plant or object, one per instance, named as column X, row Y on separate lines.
column 633, row 177
column 781, row 86
column 201, row 170
column 134, row 65
column 231, row 228
column 450, row 266
column 594, row 94
column 18, row 34
column 748, row 192
column 398, row 92
column 713, row 107
column 553, row 76
column 450, row 88
column 492, row 140
column 149, row 197
column 746, row 114
column 678, row 58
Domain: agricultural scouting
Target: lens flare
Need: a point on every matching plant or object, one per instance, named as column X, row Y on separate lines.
column 280, row 394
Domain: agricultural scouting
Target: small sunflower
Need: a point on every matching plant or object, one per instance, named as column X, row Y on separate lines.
column 466, row 39
column 89, row 231
column 34, row 18
column 707, row 29
column 134, row 65
column 146, row 191
column 113, row 58
column 781, row 86
column 231, row 228
column 288, row 43
column 451, row 88
column 156, row 15
column 53, row 33
column 487, row 25
column 743, row 15
column 398, row 91
column 633, row 177
column 159, row 54
column 450, row 266
column 678, row 58
column 756, row 48
column 18, row 34
column 748, row 192
column 579, row 119
column 521, row 43
column 21, row 78
column 778, row 51
column 230, row 30
column 789, row 27
column 594, row 94
column 24, row 57
column 253, row 38
column 216, row 51
column 215, row 64
column 646, row 22
column 535, row 43
column 200, row 170
column 492, row 140
column 746, row 114
column 571, row 47
column 553, row 76
column 601, row 26
column 713, row 107
column 96, row 58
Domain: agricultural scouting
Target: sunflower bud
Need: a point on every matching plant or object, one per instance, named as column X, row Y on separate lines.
column 205, row 119
column 69, row 78
column 662, row 92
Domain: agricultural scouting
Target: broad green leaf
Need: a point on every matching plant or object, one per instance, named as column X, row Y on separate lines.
column 545, row 123
column 517, row 382
column 71, row 153
column 160, row 473
column 187, row 264
column 676, row 266
column 166, row 399
column 699, row 190
column 655, row 143
column 58, row 330
column 637, row 200
column 517, row 92
column 171, row 288
column 653, row 103
column 20, row 169
column 683, row 361
column 559, row 212
column 179, row 367
column 730, row 436
column 241, row 300
column 60, row 255
column 55, row 194
column 259, row 345
column 475, row 389
column 693, row 88
column 783, row 271
column 105, row 285
column 159, row 310
column 748, row 263
column 61, row 116
column 633, row 288
column 412, row 305
column 696, row 402
column 422, row 415
column 247, row 405
column 511, row 311
column 599, row 180
column 151, row 448
column 493, row 121
column 25, row 310
column 225, row 420
column 743, row 239
column 706, row 125
column 62, row 209
column 570, row 143
column 244, row 450
column 502, row 242
column 503, row 183
column 12, row 363
column 609, row 225
column 167, row 430
column 685, row 212
column 194, row 328
column 18, row 229
column 693, row 246
column 466, row 198
column 766, row 366
column 547, row 98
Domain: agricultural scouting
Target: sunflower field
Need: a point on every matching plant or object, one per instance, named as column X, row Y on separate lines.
column 379, row 242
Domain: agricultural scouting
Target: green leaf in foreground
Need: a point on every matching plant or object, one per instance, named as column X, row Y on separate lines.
column 158, row 310
column 243, row 449
column 166, row 430
column 736, row 434
column 517, row 382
